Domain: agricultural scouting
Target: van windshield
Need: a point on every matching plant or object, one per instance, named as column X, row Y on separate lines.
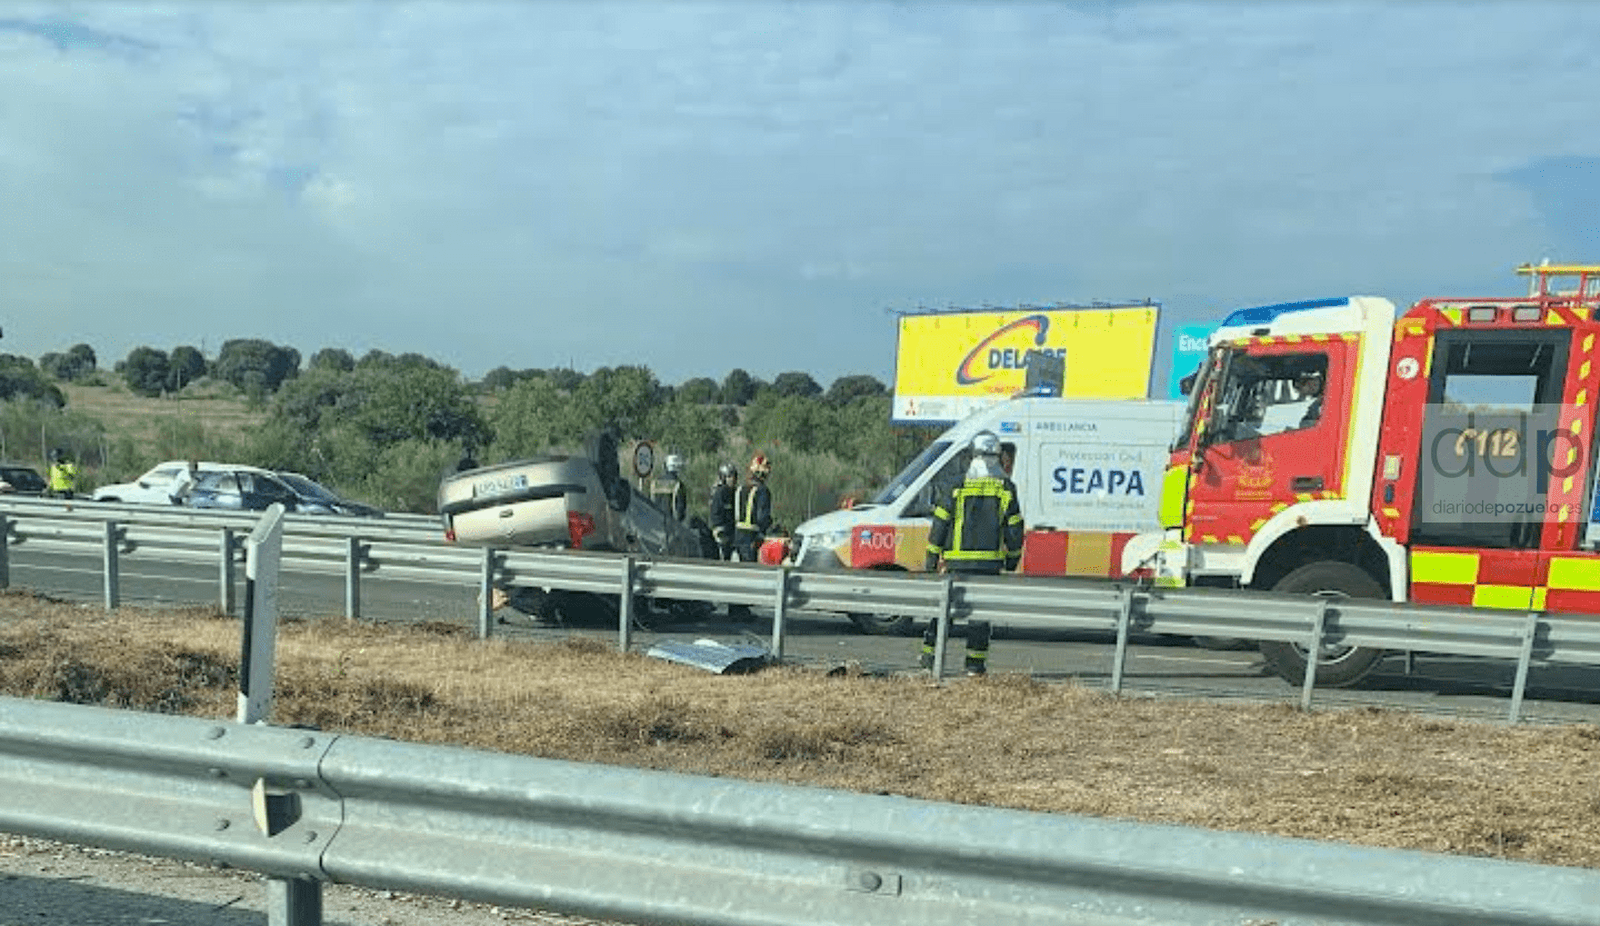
column 898, row 485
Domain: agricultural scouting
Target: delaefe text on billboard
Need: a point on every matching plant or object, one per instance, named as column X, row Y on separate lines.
column 950, row 364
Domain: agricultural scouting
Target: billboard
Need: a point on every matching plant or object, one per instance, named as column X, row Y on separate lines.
column 950, row 364
column 1188, row 349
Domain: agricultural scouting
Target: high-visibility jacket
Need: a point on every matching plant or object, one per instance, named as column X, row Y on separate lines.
column 64, row 476
column 752, row 507
column 670, row 495
column 978, row 528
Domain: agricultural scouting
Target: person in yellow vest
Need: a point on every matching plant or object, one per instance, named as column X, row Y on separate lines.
column 669, row 491
column 976, row 531
column 63, row 474
column 752, row 514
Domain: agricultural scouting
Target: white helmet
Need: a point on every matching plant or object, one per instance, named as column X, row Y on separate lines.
column 674, row 463
column 985, row 444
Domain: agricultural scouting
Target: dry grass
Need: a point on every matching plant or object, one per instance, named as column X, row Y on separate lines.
column 1365, row 776
column 215, row 407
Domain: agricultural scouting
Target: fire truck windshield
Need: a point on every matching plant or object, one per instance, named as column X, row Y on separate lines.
column 1197, row 383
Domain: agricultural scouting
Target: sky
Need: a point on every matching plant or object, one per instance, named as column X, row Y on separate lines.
column 760, row 184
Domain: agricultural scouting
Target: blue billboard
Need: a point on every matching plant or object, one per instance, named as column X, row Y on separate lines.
column 1188, row 349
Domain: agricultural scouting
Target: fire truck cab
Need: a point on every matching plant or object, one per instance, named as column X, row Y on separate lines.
column 1444, row 457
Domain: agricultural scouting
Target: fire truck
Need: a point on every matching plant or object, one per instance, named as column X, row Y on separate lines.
column 1445, row 457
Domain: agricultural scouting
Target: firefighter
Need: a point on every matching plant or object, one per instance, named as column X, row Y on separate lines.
column 722, row 520
column 1308, row 389
column 752, row 504
column 669, row 492
column 977, row 530
column 63, row 474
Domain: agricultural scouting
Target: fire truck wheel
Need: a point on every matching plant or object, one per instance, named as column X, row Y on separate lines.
column 894, row 625
column 1337, row 666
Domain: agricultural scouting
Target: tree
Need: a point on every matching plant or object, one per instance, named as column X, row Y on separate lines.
column 702, row 390
column 146, row 370
column 83, row 356
column 255, row 366
column 565, row 378
column 499, row 379
column 797, row 384
column 625, row 396
column 738, row 387
column 847, row 389
column 56, row 365
column 384, row 404
column 332, row 358
column 184, row 366
column 75, row 364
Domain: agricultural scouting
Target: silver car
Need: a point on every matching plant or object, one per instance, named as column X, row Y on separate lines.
column 562, row 502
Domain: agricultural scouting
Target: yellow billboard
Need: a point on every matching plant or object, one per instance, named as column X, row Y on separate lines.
column 950, row 364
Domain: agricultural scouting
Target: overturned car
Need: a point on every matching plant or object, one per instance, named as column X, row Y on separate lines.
column 577, row 502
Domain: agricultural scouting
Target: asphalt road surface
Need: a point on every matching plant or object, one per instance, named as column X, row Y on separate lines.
column 1462, row 686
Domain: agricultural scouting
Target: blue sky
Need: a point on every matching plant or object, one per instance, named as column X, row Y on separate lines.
column 763, row 184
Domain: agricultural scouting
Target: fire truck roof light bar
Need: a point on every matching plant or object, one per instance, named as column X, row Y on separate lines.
column 1261, row 315
column 1588, row 279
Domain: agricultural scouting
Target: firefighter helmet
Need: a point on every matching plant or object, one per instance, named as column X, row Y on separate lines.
column 727, row 471
column 760, row 465
column 674, row 463
column 985, row 444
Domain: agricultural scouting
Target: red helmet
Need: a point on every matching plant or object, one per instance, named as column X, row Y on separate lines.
column 760, row 465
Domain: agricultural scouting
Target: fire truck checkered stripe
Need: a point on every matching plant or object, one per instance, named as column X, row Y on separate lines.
column 1495, row 580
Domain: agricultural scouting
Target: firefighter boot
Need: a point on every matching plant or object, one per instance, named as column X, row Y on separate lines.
column 930, row 638
column 977, row 647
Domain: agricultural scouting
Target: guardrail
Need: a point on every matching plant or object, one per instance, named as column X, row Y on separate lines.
column 657, row 847
column 355, row 547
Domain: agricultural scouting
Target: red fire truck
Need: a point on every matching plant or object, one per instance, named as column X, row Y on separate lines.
column 1445, row 457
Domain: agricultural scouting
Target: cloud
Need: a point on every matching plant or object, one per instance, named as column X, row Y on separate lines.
column 601, row 182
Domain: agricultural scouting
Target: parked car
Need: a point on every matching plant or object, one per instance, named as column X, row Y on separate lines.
column 17, row 479
column 313, row 497
column 155, row 486
column 240, row 488
column 579, row 502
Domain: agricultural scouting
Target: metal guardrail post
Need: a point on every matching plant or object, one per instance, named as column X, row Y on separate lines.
column 225, row 571
column 625, row 607
column 942, row 622
column 5, row 551
column 1120, row 654
column 112, row 589
column 780, row 610
column 1313, row 654
column 486, row 594
column 294, row 902
column 291, row 901
column 352, row 578
column 1529, row 632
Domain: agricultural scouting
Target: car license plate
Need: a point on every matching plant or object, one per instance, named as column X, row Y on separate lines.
column 504, row 485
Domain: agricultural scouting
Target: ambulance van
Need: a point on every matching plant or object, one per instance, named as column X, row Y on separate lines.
column 1088, row 475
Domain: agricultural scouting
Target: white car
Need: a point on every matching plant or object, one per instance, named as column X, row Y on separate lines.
column 155, row 486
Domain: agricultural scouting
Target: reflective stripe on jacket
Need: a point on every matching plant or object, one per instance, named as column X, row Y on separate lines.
column 979, row 525
column 753, row 507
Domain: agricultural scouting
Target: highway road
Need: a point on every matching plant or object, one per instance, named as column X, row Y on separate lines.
column 1155, row 665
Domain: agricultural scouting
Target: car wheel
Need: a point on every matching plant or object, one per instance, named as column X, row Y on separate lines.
column 1338, row 666
column 878, row 625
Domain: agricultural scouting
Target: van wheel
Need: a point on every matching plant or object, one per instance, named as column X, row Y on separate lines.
column 1337, row 666
column 1223, row 643
column 893, row 625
